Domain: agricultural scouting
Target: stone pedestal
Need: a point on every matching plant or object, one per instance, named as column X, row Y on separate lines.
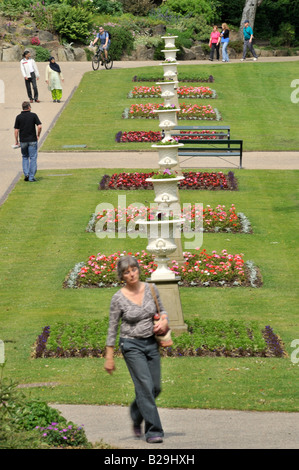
column 170, row 296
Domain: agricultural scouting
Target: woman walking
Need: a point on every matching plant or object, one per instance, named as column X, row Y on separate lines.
column 214, row 43
column 134, row 307
column 224, row 42
column 54, row 78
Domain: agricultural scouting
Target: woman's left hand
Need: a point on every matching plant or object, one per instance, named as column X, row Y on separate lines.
column 161, row 327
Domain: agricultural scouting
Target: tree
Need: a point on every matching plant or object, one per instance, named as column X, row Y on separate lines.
column 249, row 11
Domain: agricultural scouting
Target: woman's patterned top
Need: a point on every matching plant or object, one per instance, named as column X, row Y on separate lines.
column 136, row 320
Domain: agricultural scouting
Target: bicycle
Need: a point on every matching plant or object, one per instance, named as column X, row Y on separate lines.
column 99, row 57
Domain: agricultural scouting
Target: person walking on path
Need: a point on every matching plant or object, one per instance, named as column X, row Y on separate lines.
column 31, row 75
column 224, row 42
column 134, row 306
column 27, row 131
column 248, row 38
column 214, row 43
column 54, row 78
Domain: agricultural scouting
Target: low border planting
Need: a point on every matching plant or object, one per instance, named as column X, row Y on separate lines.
column 194, row 180
column 199, row 92
column 199, row 269
column 186, row 112
column 217, row 220
column 184, row 77
column 232, row 338
column 152, row 136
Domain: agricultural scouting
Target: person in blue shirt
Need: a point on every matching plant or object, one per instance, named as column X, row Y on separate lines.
column 105, row 41
column 248, row 37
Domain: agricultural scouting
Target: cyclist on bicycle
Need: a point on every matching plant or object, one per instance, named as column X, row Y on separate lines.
column 105, row 41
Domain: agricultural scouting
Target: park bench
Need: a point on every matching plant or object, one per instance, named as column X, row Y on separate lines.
column 220, row 131
column 212, row 147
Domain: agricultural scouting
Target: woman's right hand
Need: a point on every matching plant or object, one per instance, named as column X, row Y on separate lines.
column 109, row 366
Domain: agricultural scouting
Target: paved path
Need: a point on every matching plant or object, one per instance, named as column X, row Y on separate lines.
column 190, row 429
column 14, row 94
column 184, row 429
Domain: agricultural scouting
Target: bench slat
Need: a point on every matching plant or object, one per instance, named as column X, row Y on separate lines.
column 203, row 154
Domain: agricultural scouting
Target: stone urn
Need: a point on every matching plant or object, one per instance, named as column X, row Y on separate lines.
column 161, row 243
column 170, row 71
column 170, row 53
column 168, row 154
column 169, row 41
column 168, row 91
column 167, row 118
column 166, row 189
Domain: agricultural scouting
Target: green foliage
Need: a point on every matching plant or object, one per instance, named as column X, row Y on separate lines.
column 108, row 7
column 287, row 34
column 38, row 413
column 43, row 16
column 121, row 41
column 193, row 8
column 72, row 23
column 138, row 7
column 14, row 9
column 42, row 54
column 33, row 424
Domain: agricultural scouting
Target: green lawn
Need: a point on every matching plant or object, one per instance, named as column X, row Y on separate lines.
column 253, row 98
column 42, row 236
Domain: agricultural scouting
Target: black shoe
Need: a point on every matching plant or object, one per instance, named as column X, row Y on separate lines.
column 137, row 430
column 26, row 178
column 154, row 440
column 32, row 181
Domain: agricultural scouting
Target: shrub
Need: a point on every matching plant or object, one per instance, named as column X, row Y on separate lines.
column 138, row 7
column 193, row 8
column 41, row 54
column 287, row 34
column 121, row 41
column 42, row 15
column 108, row 7
column 14, row 9
column 35, row 41
column 72, row 23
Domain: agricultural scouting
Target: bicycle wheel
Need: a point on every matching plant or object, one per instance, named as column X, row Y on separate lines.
column 109, row 63
column 95, row 62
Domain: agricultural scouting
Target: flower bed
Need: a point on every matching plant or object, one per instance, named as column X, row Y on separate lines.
column 200, row 269
column 138, row 136
column 232, row 338
column 182, row 91
column 186, row 111
column 151, row 136
column 193, row 180
column 213, row 220
column 184, row 77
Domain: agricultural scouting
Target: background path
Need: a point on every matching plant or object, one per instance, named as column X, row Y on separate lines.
column 184, row 428
column 15, row 94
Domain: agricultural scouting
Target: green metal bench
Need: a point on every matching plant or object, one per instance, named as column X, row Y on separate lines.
column 221, row 131
column 212, row 148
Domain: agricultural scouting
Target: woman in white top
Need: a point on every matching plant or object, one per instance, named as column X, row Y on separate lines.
column 54, row 78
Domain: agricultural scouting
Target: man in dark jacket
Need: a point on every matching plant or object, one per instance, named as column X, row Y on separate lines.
column 27, row 132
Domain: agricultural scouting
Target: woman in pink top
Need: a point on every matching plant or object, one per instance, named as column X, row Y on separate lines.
column 214, row 42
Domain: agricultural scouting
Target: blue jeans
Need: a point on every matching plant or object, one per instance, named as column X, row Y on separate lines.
column 142, row 357
column 29, row 156
column 224, row 52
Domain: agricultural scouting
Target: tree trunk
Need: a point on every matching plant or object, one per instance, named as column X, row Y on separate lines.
column 249, row 12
